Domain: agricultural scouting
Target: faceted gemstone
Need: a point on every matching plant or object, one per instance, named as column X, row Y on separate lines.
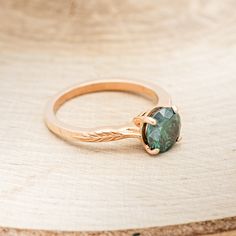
column 163, row 135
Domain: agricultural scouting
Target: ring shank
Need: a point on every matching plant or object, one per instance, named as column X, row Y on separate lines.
column 101, row 134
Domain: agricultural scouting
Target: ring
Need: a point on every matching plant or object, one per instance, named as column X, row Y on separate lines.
column 157, row 128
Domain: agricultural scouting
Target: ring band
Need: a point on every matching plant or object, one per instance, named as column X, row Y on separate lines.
column 158, row 128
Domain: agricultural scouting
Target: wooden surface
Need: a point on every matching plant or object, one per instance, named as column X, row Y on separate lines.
column 187, row 47
column 220, row 227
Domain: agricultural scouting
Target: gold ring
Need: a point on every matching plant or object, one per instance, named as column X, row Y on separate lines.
column 158, row 128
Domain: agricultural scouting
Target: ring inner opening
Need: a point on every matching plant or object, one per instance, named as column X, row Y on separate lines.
column 111, row 106
column 107, row 86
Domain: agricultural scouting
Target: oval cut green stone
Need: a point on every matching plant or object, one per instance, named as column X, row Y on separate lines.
column 163, row 135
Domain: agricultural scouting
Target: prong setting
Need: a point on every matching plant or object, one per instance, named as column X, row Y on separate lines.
column 140, row 120
column 149, row 120
column 175, row 108
column 161, row 135
column 151, row 151
column 178, row 139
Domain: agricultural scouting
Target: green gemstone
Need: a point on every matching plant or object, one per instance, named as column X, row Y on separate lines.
column 163, row 135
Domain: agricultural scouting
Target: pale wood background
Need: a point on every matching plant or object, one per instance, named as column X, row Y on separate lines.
column 188, row 47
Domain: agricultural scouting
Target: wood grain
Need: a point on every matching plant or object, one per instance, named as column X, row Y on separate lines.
column 187, row 47
column 220, row 227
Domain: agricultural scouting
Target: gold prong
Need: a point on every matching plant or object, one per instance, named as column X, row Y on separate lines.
column 175, row 109
column 149, row 120
column 179, row 139
column 150, row 151
column 139, row 120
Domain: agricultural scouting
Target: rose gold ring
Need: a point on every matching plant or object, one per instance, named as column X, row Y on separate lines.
column 158, row 128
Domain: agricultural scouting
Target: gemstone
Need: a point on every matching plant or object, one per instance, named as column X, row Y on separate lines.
column 164, row 134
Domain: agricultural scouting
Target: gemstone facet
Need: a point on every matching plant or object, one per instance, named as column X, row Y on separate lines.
column 163, row 135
